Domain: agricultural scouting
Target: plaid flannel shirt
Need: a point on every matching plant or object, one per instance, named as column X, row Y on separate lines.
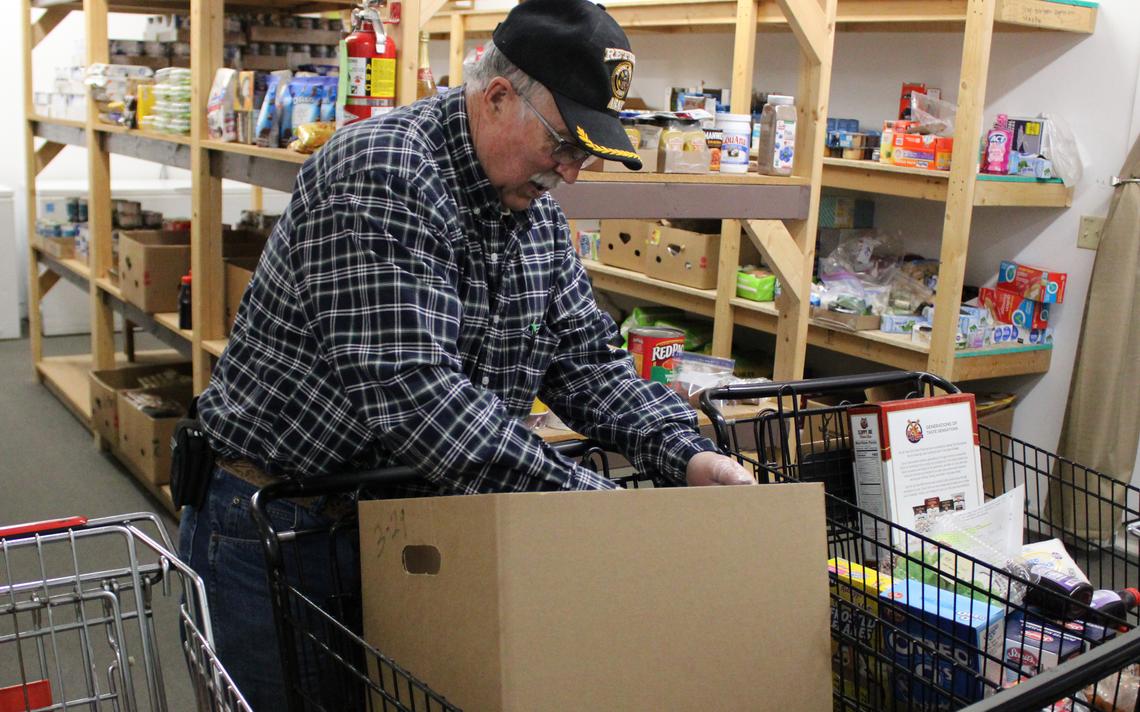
column 399, row 316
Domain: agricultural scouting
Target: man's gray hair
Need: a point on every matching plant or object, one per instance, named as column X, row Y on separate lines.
column 493, row 64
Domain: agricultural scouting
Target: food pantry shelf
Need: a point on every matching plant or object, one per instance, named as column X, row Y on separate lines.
column 871, row 177
column 215, row 346
column 899, row 351
column 163, row 326
column 75, row 271
column 65, row 131
column 183, row 6
column 635, row 284
column 853, row 15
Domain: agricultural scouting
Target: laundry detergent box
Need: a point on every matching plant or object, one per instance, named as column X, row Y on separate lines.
column 1033, row 645
column 1010, row 308
column 945, row 645
column 857, row 634
column 1032, row 283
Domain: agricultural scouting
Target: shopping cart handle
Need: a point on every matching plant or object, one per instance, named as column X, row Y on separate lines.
column 45, row 527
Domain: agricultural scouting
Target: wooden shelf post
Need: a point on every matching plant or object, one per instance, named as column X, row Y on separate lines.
column 963, row 176
column 98, row 196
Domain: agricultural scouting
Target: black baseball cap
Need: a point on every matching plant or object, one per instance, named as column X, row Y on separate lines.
column 577, row 51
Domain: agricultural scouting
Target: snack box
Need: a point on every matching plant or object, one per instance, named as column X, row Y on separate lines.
column 922, row 151
column 1033, row 644
column 1009, row 308
column 1010, row 334
column 855, row 614
column 758, row 285
column 962, row 631
column 1032, row 283
column 900, row 323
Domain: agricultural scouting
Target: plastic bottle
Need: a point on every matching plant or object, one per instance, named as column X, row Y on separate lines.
column 425, row 82
column 185, row 319
column 1058, row 595
column 736, row 132
column 1110, row 606
column 777, row 149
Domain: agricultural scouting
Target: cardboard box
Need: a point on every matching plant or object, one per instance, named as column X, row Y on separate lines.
column 631, row 600
column 623, row 243
column 1009, row 308
column 144, row 441
column 958, row 627
column 61, row 248
column 1033, row 645
column 842, row 320
column 682, row 257
column 840, row 212
column 855, row 592
column 1032, row 283
column 105, row 387
column 151, row 266
column 922, row 151
column 238, row 273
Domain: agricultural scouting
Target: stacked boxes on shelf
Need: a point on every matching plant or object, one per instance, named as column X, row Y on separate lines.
column 1022, row 303
column 660, row 251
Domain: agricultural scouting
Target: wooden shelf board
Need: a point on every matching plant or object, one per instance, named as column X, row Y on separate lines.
column 170, row 321
column 183, row 6
column 637, row 177
column 52, row 121
column 871, row 177
column 635, row 284
column 109, row 287
column 282, row 155
column 66, row 377
column 150, row 135
column 851, row 15
column 76, row 267
column 215, row 346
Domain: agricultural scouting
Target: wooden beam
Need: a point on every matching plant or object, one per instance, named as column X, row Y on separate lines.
column 728, row 264
column 48, row 22
column 35, row 327
column 46, row 281
column 744, row 56
column 457, row 42
column 810, row 25
column 428, row 9
column 780, row 251
column 208, row 291
column 45, row 154
column 407, row 46
column 98, row 196
column 960, row 190
column 256, row 198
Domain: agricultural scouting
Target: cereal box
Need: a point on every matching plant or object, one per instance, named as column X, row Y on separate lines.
column 1032, row 283
column 855, row 617
column 942, row 640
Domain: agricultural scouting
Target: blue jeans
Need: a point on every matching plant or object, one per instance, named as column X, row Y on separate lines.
column 221, row 543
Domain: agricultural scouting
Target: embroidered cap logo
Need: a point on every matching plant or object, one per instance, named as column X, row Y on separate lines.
column 621, row 76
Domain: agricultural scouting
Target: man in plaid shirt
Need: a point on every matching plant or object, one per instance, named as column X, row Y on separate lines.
column 418, row 293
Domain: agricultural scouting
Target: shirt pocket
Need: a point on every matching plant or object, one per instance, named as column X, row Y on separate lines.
column 537, row 353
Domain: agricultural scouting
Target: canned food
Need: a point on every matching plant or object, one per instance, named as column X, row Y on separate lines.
column 653, row 349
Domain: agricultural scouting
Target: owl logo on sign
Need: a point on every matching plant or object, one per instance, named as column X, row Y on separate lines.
column 863, row 424
column 913, row 431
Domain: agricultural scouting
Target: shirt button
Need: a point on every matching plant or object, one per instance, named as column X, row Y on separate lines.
column 495, row 320
column 486, row 380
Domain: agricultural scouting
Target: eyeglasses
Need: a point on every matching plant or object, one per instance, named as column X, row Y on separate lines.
column 566, row 152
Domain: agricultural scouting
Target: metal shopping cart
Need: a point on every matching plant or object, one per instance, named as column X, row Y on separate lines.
column 327, row 664
column 889, row 656
column 80, row 635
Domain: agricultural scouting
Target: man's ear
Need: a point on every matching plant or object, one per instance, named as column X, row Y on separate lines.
column 497, row 95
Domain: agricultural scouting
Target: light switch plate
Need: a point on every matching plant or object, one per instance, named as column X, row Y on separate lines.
column 1089, row 236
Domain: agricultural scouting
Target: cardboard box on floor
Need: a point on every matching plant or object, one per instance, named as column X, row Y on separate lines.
column 106, row 384
column 144, row 441
column 676, row 599
column 238, row 273
column 623, row 243
column 152, row 263
column 683, row 257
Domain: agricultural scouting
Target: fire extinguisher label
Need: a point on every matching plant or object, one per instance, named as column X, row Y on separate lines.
column 383, row 84
column 357, row 76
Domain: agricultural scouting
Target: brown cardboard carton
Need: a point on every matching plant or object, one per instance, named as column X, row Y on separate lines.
column 683, row 257
column 238, row 273
column 623, row 243
column 670, row 599
column 151, row 266
column 61, row 248
column 849, row 322
column 144, row 441
column 105, row 387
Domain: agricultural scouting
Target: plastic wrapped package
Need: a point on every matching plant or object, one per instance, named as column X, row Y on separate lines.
column 311, row 136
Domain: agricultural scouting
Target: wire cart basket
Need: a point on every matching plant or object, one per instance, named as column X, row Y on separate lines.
column 327, row 664
column 74, row 635
column 975, row 635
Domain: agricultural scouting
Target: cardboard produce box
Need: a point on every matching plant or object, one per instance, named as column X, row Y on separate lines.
column 238, row 273
column 683, row 257
column 623, row 243
column 144, row 440
column 61, row 248
column 849, row 322
column 151, row 266
column 669, row 599
column 105, row 387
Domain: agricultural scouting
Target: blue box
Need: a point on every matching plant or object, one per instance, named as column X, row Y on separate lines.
column 960, row 628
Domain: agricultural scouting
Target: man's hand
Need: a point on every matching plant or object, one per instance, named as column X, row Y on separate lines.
column 709, row 468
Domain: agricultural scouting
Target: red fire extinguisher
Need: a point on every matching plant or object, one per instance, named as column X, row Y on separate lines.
column 369, row 64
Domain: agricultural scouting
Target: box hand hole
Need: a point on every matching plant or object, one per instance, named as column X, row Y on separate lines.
column 625, row 237
column 421, row 559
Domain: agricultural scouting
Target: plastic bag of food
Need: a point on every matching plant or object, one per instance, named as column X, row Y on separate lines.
column 1059, row 145
column 269, row 117
column 934, row 116
column 220, row 118
column 311, row 136
column 695, row 373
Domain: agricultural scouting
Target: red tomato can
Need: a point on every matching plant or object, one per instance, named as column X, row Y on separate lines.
column 653, row 349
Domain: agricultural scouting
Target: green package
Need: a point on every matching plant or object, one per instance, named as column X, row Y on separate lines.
column 648, row 316
column 697, row 333
column 756, row 288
